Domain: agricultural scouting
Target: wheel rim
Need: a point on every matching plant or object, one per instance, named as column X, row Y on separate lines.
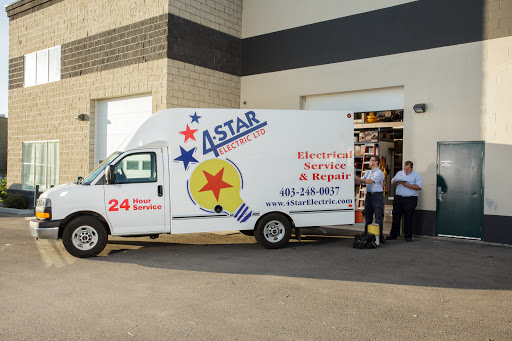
column 85, row 238
column 274, row 231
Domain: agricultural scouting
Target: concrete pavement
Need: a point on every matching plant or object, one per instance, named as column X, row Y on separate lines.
column 226, row 287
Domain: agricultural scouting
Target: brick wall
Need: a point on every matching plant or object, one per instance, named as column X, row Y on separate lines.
column 221, row 15
column 497, row 19
column 47, row 111
column 25, row 7
column 204, row 60
column 16, row 72
column 138, row 42
column 196, row 44
column 194, row 86
column 113, row 49
column 71, row 20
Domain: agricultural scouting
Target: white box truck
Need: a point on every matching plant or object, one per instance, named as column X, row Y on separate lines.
column 262, row 172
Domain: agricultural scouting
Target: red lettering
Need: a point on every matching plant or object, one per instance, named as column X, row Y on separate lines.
column 125, row 205
column 114, row 204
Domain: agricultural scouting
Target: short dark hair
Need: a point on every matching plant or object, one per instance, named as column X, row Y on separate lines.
column 409, row 163
column 376, row 158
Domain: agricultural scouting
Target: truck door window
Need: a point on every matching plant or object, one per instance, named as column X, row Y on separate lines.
column 136, row 168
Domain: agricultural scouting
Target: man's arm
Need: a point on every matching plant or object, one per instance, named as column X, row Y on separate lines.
column 414, row 187
column 418, row 183
column 394, row 181
column 363, row 181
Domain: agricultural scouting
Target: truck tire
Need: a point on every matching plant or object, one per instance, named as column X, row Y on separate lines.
column 273, row 231
column 84, row 237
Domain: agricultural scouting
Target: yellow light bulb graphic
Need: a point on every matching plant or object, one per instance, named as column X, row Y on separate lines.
column 215, row 186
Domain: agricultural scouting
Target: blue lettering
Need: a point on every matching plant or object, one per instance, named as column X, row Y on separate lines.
column 222, row 133
column 228, row 124
column 208, row 144
column 243, row 128
column 240, row 124
column 251, row 117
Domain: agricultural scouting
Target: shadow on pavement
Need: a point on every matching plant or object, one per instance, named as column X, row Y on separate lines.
column 424, row 262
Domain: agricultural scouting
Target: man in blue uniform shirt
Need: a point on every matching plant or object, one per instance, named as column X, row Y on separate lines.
column 374, row 202
column 409, row 184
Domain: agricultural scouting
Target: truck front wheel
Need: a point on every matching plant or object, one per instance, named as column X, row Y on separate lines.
column 273, row 231
column 84, row 237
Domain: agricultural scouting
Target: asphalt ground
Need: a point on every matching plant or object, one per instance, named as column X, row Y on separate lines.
column 224, row 286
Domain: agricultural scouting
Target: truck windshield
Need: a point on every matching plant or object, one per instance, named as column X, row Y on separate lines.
column 92, row 175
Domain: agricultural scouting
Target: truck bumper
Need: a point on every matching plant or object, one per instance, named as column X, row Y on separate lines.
column 45, row 229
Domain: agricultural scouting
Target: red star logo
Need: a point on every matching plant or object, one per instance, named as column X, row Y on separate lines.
column 215, row 183
column 189, row 133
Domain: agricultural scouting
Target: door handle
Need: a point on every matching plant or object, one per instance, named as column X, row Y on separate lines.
column 160, row 190
column 440, row 193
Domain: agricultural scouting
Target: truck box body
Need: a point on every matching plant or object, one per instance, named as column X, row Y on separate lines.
column 204, row 170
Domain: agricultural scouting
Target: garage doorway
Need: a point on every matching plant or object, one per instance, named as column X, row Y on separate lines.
column 387, row 104
column 116, row 118
column 357, row 101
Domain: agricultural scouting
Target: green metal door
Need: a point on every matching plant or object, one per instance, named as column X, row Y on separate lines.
column 460, row 189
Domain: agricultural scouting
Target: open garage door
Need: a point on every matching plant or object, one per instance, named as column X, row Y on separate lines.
column 357, row 101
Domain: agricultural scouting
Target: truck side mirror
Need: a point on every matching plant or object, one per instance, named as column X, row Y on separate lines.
column 110, row 175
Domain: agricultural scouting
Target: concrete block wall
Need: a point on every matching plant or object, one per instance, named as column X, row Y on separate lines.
column 216, row 82
column 197, row 87
column 47, row 111
column 221, row 15
column 115, row 49
column 70, row 20
column 3, row 145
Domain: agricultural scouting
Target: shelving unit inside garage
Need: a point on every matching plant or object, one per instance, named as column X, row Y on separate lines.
column 384, row 139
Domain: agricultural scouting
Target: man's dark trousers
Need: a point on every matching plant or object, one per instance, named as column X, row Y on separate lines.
column 374, row 203
column 403, row 206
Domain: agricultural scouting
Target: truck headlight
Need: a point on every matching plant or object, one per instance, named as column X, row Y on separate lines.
column 44, row 209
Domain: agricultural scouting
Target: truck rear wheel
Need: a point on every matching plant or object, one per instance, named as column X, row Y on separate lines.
column 273, row 231
column 84, row 237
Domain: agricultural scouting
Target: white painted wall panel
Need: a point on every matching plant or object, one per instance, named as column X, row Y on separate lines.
column 265, row 16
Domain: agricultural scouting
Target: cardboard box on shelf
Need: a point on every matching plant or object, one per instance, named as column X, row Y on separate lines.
column 371, row 136
column 374, row 137
column 359, row 150
column 388, row 213
column 361, row 136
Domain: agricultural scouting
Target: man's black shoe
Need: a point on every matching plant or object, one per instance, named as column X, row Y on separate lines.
column 408, row 239
column 382, row 240
column 390, row 237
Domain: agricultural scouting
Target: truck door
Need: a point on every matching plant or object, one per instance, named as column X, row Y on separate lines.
column 135, row 203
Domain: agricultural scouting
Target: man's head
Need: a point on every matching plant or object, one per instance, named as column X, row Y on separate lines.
column 408, row 167
column 374, row 161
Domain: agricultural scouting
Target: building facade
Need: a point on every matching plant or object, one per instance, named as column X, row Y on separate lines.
column 109, row 57
column 83, row 73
